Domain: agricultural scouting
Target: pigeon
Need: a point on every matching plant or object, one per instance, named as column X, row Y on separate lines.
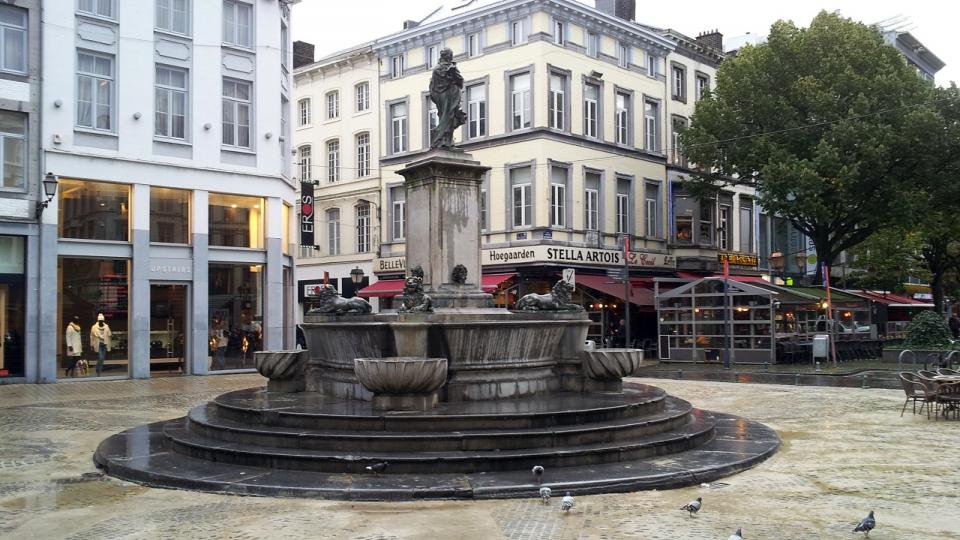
column 736, row 536
column 537, row 473
column 866, row 524
column 377, row 468
column 567, row 503
column 693, row 506
column 545, row 495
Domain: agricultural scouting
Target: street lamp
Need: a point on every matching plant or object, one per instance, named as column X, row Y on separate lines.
column 356, row 275
column 50, row 182
column 777, row 262
column 801, row 260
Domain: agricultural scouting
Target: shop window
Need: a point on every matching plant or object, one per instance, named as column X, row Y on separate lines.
column 169, row 216
column 236, row 221
column 236, row 315
column 94, row 210
column 12, row 305
column 90, row 288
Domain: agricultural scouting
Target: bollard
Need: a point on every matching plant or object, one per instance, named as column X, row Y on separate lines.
column 796, row 380
column 818, row 365
column 865, row 383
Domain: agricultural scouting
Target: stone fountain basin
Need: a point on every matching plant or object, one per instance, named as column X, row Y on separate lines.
column 611, row 364
column 401, row 375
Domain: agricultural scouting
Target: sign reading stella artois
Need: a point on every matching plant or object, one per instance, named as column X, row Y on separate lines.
column 549, row 255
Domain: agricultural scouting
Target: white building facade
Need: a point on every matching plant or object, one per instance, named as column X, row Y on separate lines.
column 168, row 125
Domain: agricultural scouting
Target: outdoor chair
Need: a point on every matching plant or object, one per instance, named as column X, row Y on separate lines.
column 926, row 374
column 948, row 398
column 947, row 371
column 917, row 390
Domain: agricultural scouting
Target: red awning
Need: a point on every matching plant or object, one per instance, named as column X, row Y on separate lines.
column 892, row 300
column 639, row 294
column 384, row 287
column 490, row 282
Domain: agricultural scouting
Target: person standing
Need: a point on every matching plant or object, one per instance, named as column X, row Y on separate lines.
column 101, row 339
column 219, row 334
column 74, row 347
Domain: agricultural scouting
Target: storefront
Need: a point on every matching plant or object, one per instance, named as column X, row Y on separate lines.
column 12, row 306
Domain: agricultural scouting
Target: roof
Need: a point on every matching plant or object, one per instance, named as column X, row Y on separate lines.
column 836, row 295
column 891, row 300
column 639, row 294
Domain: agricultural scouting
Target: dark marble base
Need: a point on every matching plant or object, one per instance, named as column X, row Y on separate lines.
column 253, row 442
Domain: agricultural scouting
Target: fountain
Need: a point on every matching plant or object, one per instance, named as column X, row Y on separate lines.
column 458, row 398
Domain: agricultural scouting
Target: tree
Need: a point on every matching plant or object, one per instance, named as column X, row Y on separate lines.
column 824, row 122
column 885, row 260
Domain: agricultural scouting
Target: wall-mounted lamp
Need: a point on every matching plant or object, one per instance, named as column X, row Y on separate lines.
column 356, row 275
column 50, row 182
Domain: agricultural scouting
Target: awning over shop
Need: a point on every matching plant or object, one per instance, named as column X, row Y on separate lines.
column 891, row 300
column 787, row 295
column 640, row 295
column 741, row 279
column 836, row 295
column 385, row 287
column 490, row 282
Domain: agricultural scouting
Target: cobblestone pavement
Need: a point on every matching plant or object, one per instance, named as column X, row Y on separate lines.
column 845, row 452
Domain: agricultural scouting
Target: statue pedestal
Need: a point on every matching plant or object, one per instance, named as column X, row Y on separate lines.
column 444, row 229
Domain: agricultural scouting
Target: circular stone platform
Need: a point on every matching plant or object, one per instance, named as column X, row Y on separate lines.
column 255, row 442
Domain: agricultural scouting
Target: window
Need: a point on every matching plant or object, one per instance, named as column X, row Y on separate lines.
column 623, row 55
column 679, row 83
column 684, row 208
column 746, row 226
column 706, row 223
column 591, row 201
column 676, row 144
column 652, row 65
column 652, row 198
column 13, row 39
column 557, row 84
column 398, row 128
column 558, row 197
column 363, row 155
column 483, row 210
column 363, row 228
column 333, row 105
column 169, row 215
column 305, row 113
column 724, row 227
column 432, row 56
column 702, row 85
column 651, row 125
column 520, row 100
column 398, row 212
column 591, row 109
column 173, row 16
column 623, row 206
column 95, row 91
column 684, row 230
column 102, row 8
column 170, row 97
column 473, row 44
column 433, row 120
column 623, row 118
column 333, row 231
column 396, row 66
column 518, row 32
column 236, row 113
column 522, row 196
column 306, row 163
column 559, row 32
column 476, row 111
column 593, row 44
column 333, row 160
column 237, row 23
column 94, row 210
column 362, row 92
column 236, row 221
column 13, row 148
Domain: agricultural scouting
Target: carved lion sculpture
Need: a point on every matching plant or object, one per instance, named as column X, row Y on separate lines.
column 559, row 299
column 330, row 302
column 414, row 298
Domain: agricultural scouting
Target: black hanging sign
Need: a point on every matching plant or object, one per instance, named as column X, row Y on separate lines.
column 306, row 214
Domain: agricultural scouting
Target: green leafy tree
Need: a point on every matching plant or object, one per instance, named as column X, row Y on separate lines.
column 824, row 122
column 928, row 331
column 885, row 260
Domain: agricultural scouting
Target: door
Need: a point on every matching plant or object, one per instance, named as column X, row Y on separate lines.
column 4, row 289
column 168, row 324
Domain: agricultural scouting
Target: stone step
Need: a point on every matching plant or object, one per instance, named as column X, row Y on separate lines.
column 205, row 422
column 309, row 410
column 694, row 433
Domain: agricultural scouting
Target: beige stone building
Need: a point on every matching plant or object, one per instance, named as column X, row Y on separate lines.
column 574, row 110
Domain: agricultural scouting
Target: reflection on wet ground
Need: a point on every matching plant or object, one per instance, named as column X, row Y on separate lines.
column 845, row 451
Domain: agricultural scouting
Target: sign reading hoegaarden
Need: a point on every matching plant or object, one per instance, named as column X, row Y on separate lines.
column 548, row 255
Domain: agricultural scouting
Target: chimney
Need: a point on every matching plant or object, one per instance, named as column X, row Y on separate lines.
column 408, row 24
column 712, row 39
column 302, row 53
column 624, row 9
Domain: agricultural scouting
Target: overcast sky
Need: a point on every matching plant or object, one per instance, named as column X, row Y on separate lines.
column 333, row 25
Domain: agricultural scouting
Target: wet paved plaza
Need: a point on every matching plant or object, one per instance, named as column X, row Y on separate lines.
column 845, row 451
